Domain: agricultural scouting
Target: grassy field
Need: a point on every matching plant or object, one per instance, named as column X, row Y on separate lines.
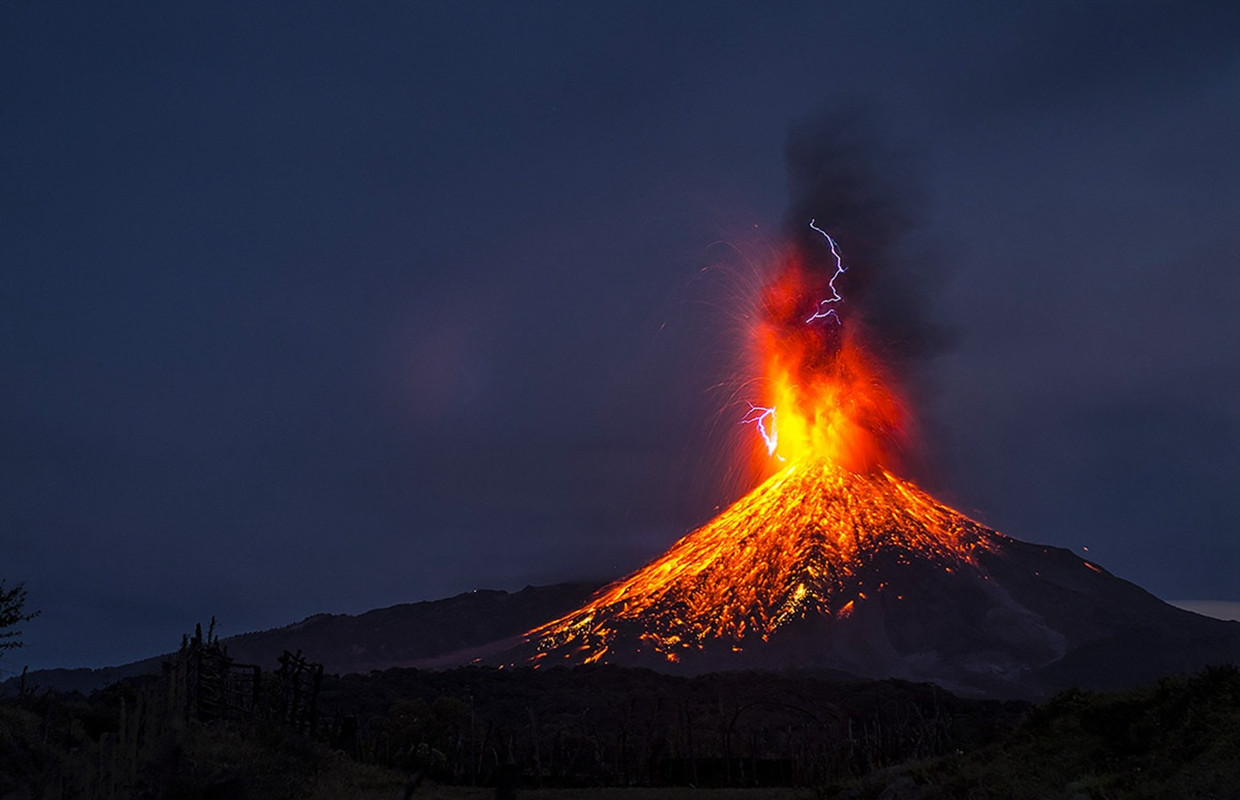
column 282, row 767
column 1179, row 737
column 656, row 793
column 386, row 785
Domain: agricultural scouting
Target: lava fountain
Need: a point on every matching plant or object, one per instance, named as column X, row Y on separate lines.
column 825, row 398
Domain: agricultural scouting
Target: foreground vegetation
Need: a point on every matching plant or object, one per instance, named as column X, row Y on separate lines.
column 1179, row 738
column 569, row 734
column 607, row 726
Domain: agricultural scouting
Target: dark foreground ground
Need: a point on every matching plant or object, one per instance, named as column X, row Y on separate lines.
column 630, row 735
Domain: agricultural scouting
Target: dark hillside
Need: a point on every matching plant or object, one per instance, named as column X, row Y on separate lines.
column 1177, row 738
column 430, row 633
column 411, row 634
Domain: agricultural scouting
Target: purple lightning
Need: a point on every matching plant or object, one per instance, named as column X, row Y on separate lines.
column 822, row 312
column 759, row 415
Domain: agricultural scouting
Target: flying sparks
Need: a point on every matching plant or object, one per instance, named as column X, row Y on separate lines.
column 822, row 312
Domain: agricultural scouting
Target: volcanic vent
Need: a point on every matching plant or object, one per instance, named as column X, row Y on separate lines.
column 835, row 562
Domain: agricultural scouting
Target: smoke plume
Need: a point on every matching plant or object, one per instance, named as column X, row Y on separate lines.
column 863, row 193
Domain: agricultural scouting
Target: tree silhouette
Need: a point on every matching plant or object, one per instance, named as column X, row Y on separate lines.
column 12, row 613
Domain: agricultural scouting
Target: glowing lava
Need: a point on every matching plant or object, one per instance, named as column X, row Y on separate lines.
column 808, row 542
column 796, row 546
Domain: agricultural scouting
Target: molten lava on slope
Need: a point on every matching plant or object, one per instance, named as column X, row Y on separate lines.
column 834, row 562
column 803, row 543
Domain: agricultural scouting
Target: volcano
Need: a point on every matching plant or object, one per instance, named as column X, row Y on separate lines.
column 836, row 562
column 821, row 568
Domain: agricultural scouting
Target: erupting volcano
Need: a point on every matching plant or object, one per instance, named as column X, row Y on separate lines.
column 802, row 542
column 817, row 541
column 835, row 562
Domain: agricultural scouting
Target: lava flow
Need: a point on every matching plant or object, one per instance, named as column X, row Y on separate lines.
column 795, row 546
column 808, row 542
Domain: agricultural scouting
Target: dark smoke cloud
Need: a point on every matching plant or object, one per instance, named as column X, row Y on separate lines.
column 864, row 193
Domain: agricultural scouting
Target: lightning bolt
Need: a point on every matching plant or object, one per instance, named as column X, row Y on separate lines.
column 822, row 312
column 759, row 416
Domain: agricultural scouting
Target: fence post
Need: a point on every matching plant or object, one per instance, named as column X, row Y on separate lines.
column 257, row 711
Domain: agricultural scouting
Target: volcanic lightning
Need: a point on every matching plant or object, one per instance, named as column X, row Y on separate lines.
column 760, row 417
column 840, row 269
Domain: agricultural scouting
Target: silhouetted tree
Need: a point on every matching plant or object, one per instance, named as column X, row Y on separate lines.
column 13, row 612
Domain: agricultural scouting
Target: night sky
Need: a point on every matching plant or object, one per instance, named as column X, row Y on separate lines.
column 322, row 308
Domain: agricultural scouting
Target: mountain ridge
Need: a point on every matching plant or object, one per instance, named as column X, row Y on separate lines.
column 417, row 634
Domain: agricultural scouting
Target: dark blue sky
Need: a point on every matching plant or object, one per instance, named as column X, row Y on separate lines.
column 333, row 307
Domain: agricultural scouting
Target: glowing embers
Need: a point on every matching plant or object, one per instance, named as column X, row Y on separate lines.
column 796, row 547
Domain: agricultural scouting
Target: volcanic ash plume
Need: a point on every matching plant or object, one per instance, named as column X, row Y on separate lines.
column 841, row 174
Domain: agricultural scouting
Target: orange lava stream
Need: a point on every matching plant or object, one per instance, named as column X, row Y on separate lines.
column 789, row 548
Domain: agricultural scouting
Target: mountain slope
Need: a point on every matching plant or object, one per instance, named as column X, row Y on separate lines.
column 822, row 567
column 410, row 634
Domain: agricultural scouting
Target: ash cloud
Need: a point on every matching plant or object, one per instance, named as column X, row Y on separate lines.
column 863, row 191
